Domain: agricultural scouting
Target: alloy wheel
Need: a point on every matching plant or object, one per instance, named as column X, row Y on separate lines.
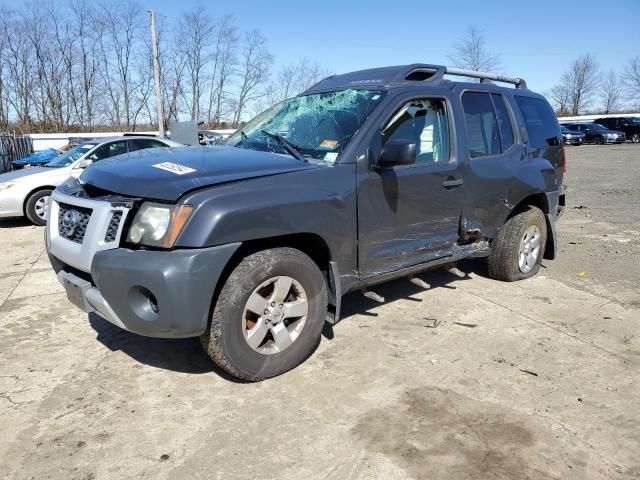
column 275, row 315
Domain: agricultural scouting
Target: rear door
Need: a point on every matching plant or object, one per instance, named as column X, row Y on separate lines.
column 493, row 151
column 409, row 214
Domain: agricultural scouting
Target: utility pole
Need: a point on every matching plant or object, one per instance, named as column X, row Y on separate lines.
column 156, row 73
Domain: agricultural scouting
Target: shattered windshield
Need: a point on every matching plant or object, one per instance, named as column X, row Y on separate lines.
column 317, row 127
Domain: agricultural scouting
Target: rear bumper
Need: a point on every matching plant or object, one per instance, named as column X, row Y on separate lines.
column 164, row 294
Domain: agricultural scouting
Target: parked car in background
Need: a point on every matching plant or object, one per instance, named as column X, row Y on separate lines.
column 629, row 125
column 595, row 133
column 572, row 137
column 26, row 192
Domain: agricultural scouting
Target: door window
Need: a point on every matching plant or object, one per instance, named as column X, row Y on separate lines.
column 483, row 133
column 109, row 150
column 425, row 123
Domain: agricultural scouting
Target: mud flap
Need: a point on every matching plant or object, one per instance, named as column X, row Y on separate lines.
column 551, row 248
column 335, row 294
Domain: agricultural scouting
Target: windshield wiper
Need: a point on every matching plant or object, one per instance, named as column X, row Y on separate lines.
column 286, row 144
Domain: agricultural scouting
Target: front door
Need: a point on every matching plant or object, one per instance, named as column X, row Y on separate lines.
column 410, row 214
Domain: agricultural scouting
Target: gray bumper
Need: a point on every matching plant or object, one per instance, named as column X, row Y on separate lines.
column 152, row 293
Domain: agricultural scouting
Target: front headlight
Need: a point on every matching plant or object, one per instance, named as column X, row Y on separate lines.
column 7, row 185
column 158, row 224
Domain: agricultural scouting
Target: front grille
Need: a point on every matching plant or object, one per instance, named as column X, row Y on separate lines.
column 112, row 229
column 73, row 221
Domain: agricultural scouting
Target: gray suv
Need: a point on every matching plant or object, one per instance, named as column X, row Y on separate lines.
column 365, row 177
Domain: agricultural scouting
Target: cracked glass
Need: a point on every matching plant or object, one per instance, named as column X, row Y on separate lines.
column 316, row 126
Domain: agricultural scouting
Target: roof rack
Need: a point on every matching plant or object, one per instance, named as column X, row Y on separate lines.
column 426, row 72
column 404, row 74
column 485, row 76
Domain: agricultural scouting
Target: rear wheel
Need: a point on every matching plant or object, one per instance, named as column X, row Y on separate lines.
column 268, row 316
column 635, row 138
column 37, row 206
column 516, row 252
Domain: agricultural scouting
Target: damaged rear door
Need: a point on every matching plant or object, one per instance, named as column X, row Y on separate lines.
column 409, row 214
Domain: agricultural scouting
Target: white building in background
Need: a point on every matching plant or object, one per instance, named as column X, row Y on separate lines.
column 591, row 118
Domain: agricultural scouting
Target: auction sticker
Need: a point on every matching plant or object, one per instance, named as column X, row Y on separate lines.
column 173, row 168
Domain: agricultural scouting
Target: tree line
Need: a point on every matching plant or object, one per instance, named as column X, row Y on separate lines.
column 585, row 88
column 86, row 66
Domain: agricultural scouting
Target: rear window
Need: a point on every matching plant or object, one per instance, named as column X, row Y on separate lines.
column 541, row 123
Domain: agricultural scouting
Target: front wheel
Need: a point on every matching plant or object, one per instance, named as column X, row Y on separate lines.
column 516, row 252
column 36, row 207
column 599, row 141
column 268, row 316
column 635, row 138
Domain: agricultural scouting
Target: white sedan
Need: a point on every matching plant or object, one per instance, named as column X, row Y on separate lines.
column 26, row 192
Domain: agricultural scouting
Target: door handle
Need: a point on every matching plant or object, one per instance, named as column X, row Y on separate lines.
column 451, row 183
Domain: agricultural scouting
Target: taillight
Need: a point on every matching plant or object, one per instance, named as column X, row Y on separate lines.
column 564, row 160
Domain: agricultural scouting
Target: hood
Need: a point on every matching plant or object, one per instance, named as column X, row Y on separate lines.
column 168, row 173
column 27, row 172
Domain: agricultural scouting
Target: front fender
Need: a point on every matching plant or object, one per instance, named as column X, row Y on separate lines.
column 319, row 201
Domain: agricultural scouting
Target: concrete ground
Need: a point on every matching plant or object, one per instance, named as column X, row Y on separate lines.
column 473, row 379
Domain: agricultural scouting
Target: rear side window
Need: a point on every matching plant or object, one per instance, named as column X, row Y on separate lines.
column 483, row 133
column 541, row 123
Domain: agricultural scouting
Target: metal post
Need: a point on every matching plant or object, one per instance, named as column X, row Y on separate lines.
column 156, row 73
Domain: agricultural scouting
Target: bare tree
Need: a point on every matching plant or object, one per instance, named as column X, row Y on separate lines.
column 223, row 66
column 631, row 80
column 194, row 34
column 560, row 97
column 581, row 80
column 611, row 92
column 294, row 79
column 255, row 68
column 470, row 53
column 119, row 26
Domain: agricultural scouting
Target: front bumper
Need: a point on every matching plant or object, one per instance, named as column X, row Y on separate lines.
column 164, row 294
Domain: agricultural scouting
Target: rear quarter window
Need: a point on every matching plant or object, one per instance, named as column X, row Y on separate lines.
column 540, row 121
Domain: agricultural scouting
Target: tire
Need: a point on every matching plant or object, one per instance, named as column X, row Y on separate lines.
column 635, row 138
column 599, row 141
column 226, row 339
column 33, row 208
column 505, row 251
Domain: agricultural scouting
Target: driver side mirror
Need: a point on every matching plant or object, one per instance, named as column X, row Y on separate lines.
column 85, row 163
column 397, row 152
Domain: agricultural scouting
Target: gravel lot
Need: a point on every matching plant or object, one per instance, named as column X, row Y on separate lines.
column 471, row 379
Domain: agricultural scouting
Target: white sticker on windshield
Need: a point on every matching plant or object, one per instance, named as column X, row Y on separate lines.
column 330, row 157
column 87, row 147
column 173, row 168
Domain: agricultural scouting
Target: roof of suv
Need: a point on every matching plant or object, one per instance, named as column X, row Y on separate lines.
column 403, row 75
